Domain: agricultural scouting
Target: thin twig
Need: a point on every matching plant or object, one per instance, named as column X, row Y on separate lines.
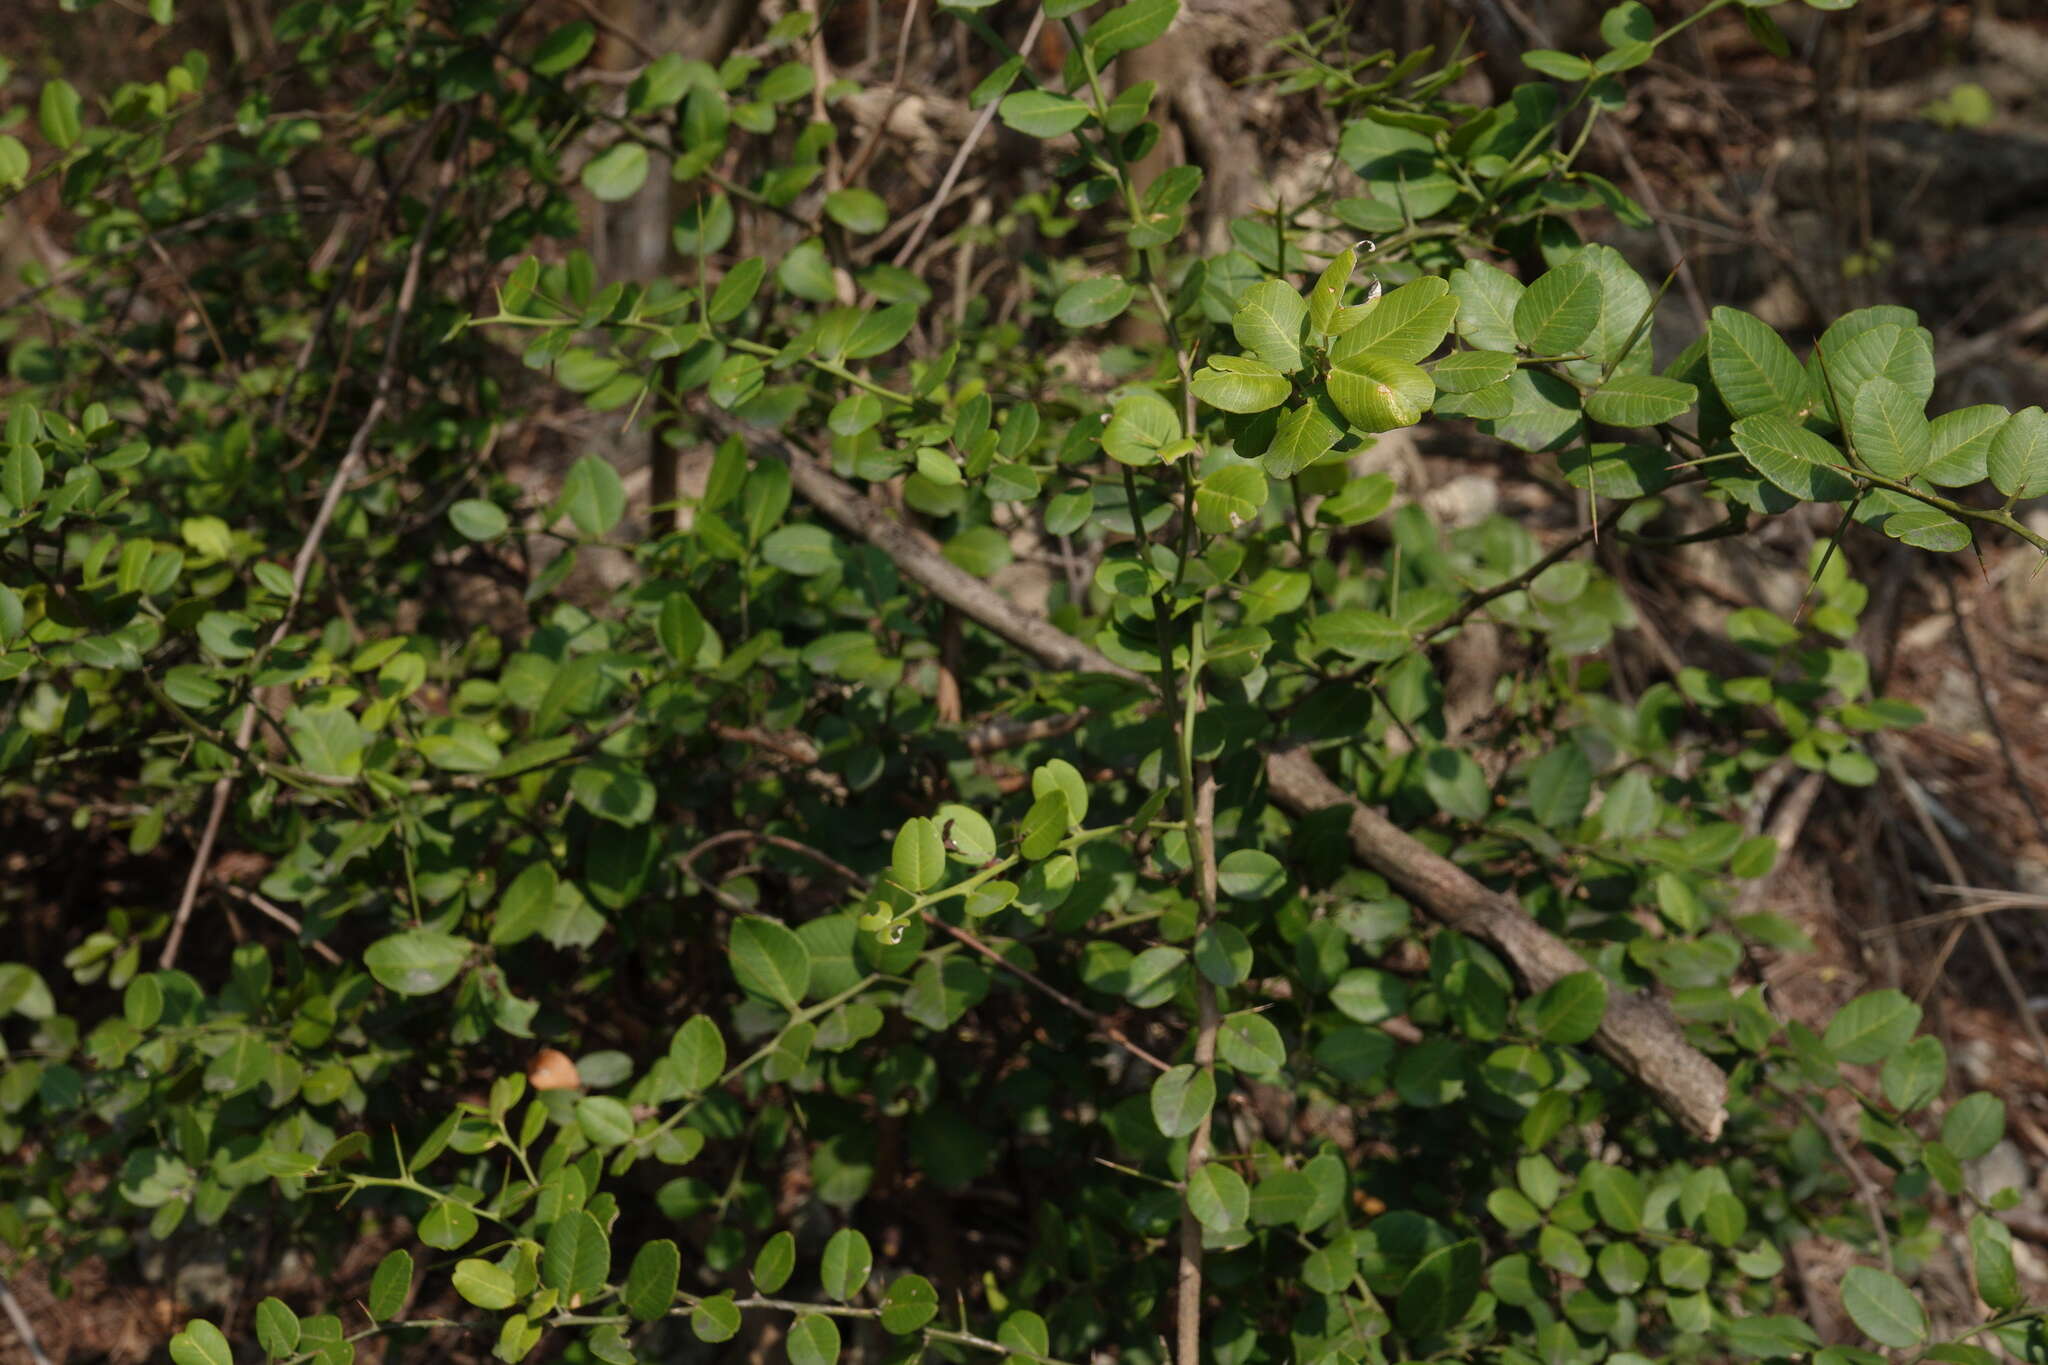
column 981, row 123
column 22, row 1326
column 223, row 788
column 263, row 906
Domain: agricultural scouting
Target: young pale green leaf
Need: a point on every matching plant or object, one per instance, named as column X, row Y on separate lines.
column 617, row 172
column 1793, row 458
column 1041, row 113
column 857, row 210
column 1369, row 636
column 417, row 961
column 1302, row 437
column 1488, row 298
column 478, row 519
column 483, row 1284
column 651, row 1284
column 14, row 162
column 1563, row 65
column 1882, row 1308
column 1871, row 1027
column 1328, row 293
column 775, row 1263
column 447, row 1225
column 1752, row 366
column 1268, row 323
column 1377, row 393
column 1406, row 324
column 1892, row 435
column 919, row 859
column 698, row 1052
column 1181, row 1098
column 1140, row 428
column 1466, row 371
column 1639, row 400
column 1219, row 1198
column 715, row 1319
column 1090, row 303
column 605, row 1121
column 1560, row 310
column 769, row 960
column 2018, row 458
column 593, row 496
column 1235, row 383
column 846, row 1263
column 57, row 114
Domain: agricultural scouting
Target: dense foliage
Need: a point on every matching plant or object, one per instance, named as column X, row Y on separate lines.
column 901, row 965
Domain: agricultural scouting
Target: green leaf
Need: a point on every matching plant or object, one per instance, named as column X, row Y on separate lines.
column 57, row 115
column 715, row 1319
column 390, row 1285
column 1871, row 1027
column 417, row 961
column 1974, row 1125
column 1752, row 366
column 651, row 1284
column 857, row 210
column 1229, row 498
column 1560, row 784
column 328, row 742
column 1793, row 458
column 1998, row 1282
column 2018, row 458
column 1251, row 1043
column 607, row 1122
column 1269, row 322
column 774, row 1263
column 769, row 960
column 447, row 1226
column 845, row 1266
column 1882, row 1308
column 881, row 332
column 617, row 172
column 277, row 1328
column 613, row 790
column 1041, row 113
column 1406, row 324
column 1056, row 774
column 910, row 1303
column 736, row 291
column 201, row 1343
column 800, row 548
column 460, row 746
column 1250, row 874
column 1569, row 1011
column 1488, row 299
column 483, row 1284
column 14, row 162
column 1181, row 1098
column 525, row 905
column 1563, row 65
column 1560, row 310
column 1090, row 303
column 1440, row 1290
column 1129, row 26
column 1044, row 826
column 1235, row 383
column 813, row 1340
column 919, row 859
column 1639, row 400
column 1468, row 371
column 1141, row 426
column 593, row 496
column 1892, row 435
column 1219, row 1198
column 1960, row 444
column 1378, row 393
column 1302, row 437
column 478, row 519
column 698, row 1054
column 1368, row 636
column 577, row 1256
column 564, row 48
